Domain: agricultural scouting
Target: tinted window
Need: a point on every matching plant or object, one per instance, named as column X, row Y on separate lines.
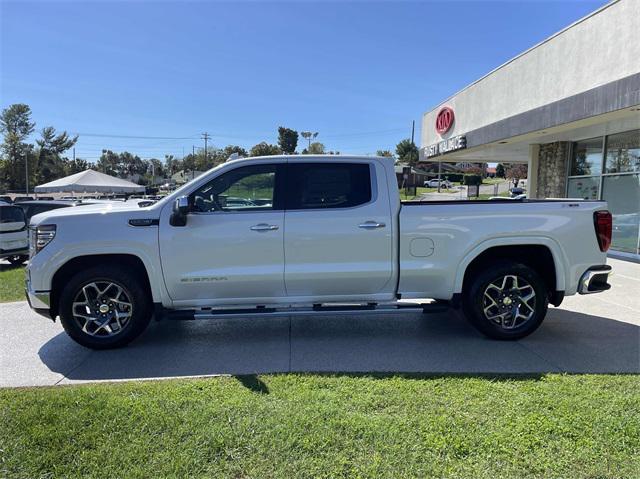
column 327, row 185
column 246, row 188
column 11, row 214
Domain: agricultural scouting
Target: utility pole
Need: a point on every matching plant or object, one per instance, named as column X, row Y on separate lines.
column 205, row 137
column 74, row 154
column 413, row 129
column 26, row 172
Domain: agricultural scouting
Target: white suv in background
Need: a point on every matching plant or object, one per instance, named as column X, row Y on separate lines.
column 14, row 238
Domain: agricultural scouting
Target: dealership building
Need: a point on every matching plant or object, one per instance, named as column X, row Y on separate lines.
column 569, row 107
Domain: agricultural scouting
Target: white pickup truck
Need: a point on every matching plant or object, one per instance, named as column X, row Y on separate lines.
column 310, row 235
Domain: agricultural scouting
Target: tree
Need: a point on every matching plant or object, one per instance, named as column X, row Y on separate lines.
column 75, row 166
column 16, row 126
column 264, row 149
column 122, row 164
column 516, row 173
column 407, row 151
column 172, row 165
column 108, row 163
column 51, row 165
column 231, row 149
column 500, row 170
column 385, row 153
column 155, row 169
column 287, row 140
column 308, row 135
column 316, row 148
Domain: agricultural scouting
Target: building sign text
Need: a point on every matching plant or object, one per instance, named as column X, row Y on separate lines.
column 445, row 146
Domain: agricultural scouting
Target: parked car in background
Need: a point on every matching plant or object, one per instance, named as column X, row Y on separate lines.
column 18, row 199
column 336, row 237
column 6, row 199
column 14, row 243
column 434, row 184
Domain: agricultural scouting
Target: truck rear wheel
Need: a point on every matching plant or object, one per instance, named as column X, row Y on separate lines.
column 505, row 300
column 105, row 307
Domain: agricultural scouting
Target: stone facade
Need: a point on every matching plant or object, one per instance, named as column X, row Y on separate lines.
column 553, row 160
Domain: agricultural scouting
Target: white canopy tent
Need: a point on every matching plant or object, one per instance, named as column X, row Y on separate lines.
column 90, row 181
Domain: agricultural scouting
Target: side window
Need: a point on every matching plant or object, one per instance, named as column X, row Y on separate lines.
column 245, row 188
column 327, row 185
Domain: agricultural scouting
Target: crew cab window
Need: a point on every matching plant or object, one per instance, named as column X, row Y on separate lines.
column 327, row 185
column 246, row 188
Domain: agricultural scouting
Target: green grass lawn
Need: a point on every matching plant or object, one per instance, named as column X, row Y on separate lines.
column 326, row 426
column 11, row 283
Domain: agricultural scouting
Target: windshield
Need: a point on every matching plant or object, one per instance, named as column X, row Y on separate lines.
column 11, row 214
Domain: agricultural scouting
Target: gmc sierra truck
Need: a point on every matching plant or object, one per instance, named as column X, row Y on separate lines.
column 310, row 235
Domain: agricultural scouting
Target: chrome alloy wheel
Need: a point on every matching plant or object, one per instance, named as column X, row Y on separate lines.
column 509, row 301
column 102, row 308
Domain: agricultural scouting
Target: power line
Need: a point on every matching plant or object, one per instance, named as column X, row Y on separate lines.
column 105, row 135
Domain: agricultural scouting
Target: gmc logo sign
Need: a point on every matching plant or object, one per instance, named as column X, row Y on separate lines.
column 444, row 120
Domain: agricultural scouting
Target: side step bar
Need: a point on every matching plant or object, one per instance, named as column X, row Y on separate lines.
column 316, row 309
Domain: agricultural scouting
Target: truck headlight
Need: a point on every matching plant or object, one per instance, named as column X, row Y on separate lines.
column 40, row 237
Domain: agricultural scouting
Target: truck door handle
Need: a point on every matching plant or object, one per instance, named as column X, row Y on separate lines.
column 264, row 227
column 371, row 225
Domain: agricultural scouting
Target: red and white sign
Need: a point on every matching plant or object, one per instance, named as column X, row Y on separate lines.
column 444, row 120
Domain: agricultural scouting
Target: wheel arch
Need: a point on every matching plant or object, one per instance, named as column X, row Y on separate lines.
column 542, row 254
column 133, row 263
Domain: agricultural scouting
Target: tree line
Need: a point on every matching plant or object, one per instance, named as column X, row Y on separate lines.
column 43, row 161
column 47, row 159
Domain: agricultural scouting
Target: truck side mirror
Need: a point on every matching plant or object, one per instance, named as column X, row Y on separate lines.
column 180, row 211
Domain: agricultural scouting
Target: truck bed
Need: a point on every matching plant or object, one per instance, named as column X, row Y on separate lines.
column 438, row 239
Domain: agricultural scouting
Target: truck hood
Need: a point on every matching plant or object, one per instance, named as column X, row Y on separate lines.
column 94, row 212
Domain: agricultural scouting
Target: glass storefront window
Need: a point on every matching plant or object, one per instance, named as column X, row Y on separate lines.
column 623, row 152
column 622, row 193
column 585, row 188
column 587, row 157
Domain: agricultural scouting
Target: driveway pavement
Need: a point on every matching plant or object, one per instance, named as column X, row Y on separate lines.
column 587, row 334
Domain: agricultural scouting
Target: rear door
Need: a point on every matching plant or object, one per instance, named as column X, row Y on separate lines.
column 338, row 229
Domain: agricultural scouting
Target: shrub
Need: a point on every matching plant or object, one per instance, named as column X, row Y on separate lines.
column 472, row 180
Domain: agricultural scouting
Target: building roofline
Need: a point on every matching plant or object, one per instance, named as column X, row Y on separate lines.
column 539, row 44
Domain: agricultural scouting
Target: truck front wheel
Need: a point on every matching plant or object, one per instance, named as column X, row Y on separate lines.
column 104, row 307
column 505, row 300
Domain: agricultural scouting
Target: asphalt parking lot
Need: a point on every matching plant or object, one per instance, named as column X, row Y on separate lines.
column 587, row 334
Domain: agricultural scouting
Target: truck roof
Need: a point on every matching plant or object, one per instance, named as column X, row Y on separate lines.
column 314, row 157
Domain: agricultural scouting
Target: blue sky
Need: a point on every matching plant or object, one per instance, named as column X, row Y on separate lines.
column 357, row 72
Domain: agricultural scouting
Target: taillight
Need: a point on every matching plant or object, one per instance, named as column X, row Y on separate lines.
column 603, row 223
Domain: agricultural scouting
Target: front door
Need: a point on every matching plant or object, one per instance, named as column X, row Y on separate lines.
column 231, row 249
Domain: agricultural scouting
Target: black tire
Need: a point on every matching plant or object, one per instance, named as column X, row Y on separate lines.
column 134, row 290
column 490, row 279
column 18, row 259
